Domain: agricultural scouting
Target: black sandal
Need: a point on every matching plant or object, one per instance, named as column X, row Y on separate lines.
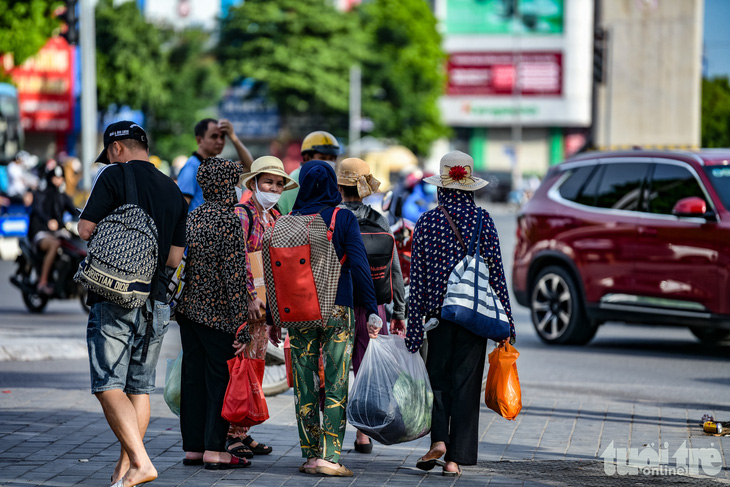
column 259, row 449
column 240, row 451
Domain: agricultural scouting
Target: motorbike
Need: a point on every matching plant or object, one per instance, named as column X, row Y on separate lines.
column 28, row 269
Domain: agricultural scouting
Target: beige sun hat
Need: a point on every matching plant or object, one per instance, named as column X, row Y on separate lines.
column 356, row 172
column 457, row 172
column 269, row 165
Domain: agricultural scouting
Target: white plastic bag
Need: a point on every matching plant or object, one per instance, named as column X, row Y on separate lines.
column 391, row 398
column 173, row 383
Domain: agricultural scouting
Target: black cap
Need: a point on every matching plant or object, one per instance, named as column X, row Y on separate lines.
column 121, row 131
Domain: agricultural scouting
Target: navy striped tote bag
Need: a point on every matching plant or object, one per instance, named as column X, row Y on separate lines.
column 470, row 300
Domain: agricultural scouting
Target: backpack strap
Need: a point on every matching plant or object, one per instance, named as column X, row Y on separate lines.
column 331, row 229
column 250, row 216
column 454, row 228
column 130, row 186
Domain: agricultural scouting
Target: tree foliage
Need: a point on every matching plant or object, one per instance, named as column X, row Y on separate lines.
column 130, row 63
column 301, row 50
column 26, row 26
column 716, row 112
column 169, row 75
column 194, row 83
column 403, row 77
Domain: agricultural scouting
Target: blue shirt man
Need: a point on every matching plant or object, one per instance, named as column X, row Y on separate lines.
column 210, row 134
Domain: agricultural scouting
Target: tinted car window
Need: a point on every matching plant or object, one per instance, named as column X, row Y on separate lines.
column 620, row 186
column 720, row 179
column 571, row 187
column 589, row 192
column 670, row 184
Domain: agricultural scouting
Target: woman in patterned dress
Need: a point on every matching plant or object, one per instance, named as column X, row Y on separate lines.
column 455, row 359
column 212, row 315
column 267, row 180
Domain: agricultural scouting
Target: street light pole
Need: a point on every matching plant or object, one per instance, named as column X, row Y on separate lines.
column 355, row 109
column 88, row 89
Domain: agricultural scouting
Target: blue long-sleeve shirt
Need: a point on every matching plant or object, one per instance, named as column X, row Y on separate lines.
column 355, row 273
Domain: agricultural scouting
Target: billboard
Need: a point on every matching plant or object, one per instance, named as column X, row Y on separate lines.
column 529, row 17
column 505, row 73
column 45, row 88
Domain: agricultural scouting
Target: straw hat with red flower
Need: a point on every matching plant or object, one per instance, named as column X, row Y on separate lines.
column 457, row 172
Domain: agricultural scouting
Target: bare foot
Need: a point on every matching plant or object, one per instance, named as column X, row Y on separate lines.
column 311, row 463
column 210, row 456
column 321, row 462
column 120, row 469
column 140, row 475
column 437, row 450
column 361, row 438
column 193, row 455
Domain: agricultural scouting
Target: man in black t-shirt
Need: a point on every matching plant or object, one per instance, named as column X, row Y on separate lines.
column 122, row 371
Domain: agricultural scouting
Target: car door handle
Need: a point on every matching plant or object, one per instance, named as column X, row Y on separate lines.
column 647, row 232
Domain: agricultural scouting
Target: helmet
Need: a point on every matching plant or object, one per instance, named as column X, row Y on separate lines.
column 322, row 142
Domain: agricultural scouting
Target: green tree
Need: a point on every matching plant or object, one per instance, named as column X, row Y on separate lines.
column 403, row 77
column 194, row 83
column 26, row 26
column 301, row 50
column 130, row 62
column 716, row 112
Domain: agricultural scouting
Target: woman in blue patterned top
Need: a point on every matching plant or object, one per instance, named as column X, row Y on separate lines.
column 455, row 360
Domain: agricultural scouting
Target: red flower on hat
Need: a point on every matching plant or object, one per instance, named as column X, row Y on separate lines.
column 457, row 173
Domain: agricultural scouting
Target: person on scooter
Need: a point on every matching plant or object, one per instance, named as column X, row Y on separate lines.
column 46, row 223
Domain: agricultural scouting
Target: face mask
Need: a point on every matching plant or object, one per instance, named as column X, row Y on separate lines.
column 266, row 200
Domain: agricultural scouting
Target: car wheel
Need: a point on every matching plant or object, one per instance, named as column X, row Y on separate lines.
column 558, row 313
column 710, row 335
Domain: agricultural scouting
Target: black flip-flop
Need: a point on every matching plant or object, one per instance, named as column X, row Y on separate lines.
column 235, row 462
column 258, row 449
column 364, row 448
column 429, row 464
column 240, row 451
column 192, row 461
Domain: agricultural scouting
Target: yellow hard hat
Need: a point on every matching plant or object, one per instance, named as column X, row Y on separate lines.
column 322, row 142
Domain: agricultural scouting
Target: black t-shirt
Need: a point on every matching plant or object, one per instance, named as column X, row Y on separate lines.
column 157, row 194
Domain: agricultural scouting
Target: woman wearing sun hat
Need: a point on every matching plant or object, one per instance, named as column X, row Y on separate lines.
column 355, row 182
column 455, row 360
column 267, row 181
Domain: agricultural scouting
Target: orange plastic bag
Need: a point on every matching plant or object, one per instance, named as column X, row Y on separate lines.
column 503, row 394
column 244, row 403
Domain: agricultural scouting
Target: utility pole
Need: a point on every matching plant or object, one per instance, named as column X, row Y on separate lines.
column 88, row 89
column 355, row 109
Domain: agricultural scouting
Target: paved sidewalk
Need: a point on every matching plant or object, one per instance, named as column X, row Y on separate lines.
column 58, row 437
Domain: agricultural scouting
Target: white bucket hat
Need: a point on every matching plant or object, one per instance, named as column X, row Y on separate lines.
column 269, row 165
column 457, row 172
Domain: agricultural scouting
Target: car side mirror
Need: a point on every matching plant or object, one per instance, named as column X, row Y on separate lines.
column 387, row 201
column 692, row 207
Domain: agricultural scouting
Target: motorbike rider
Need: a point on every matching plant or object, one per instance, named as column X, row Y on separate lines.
column 319, row 145
column 46, row 225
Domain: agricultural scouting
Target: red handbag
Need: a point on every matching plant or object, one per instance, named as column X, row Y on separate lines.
column 244, row 403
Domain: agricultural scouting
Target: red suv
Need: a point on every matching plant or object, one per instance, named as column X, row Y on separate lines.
column 636, row 237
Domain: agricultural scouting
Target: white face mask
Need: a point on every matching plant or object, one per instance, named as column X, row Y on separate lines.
column 266, row 200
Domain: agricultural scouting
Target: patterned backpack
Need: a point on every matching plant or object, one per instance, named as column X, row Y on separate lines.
column 121, row 261
column 301, row 270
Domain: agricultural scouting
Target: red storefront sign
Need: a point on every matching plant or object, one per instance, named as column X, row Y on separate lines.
column 505, row 73
column 45, row 88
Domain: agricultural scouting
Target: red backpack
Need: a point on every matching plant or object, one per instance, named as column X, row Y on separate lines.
column 302, row 270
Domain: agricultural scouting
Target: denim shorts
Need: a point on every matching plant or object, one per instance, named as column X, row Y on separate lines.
column 115, row 338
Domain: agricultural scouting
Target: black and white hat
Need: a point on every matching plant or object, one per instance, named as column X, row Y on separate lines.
column 121, row 131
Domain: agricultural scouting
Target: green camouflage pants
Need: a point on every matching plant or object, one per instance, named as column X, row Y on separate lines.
column 322, row 438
